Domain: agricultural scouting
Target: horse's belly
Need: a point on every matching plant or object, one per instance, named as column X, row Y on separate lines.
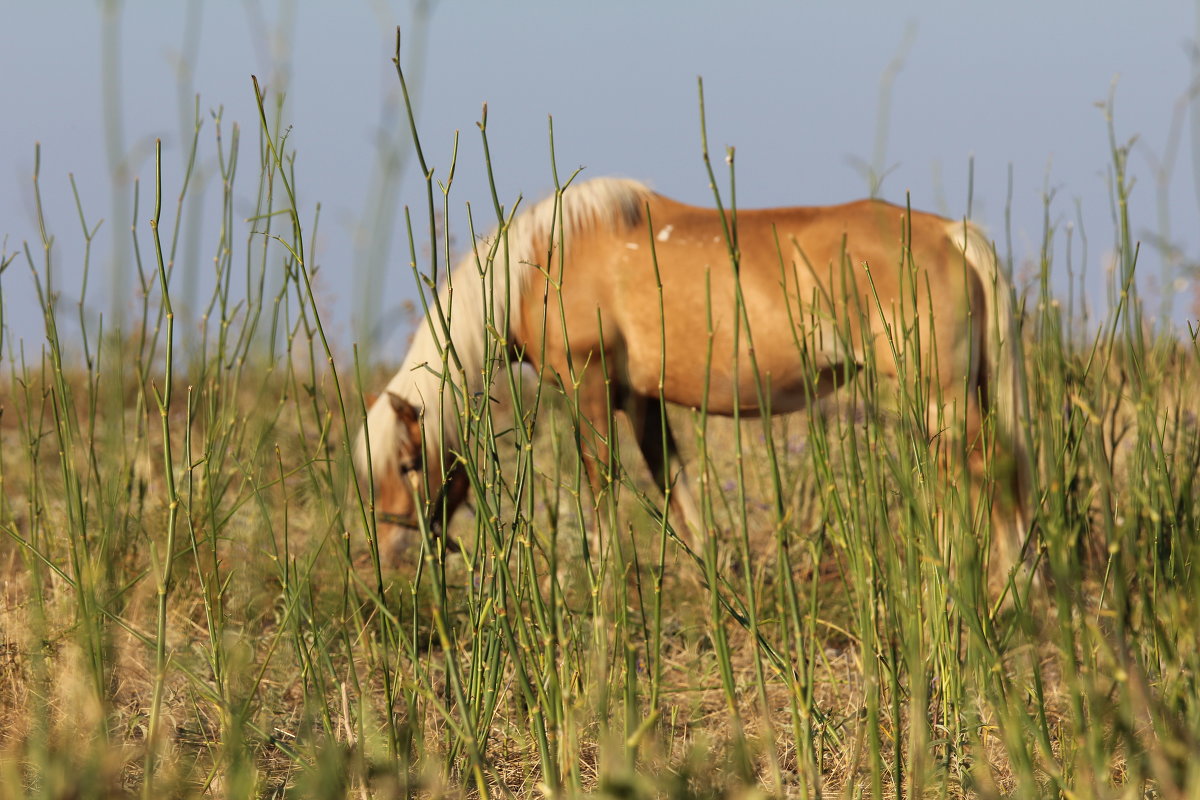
column 777, row 389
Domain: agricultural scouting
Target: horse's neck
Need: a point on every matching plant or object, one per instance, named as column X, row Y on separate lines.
column 442, row 374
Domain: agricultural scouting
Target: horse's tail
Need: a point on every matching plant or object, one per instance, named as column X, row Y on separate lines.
column 1002, row 370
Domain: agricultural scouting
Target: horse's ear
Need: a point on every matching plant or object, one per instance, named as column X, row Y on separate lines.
column 407, row 415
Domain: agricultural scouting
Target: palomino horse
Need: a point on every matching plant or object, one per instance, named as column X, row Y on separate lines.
column 824, row 290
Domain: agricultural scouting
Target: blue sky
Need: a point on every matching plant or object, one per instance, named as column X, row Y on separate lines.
column 794, row 87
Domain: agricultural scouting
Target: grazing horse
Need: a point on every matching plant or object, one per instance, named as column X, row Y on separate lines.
column 825, row 290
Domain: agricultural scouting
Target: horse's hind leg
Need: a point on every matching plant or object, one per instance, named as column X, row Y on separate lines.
column 993, row 480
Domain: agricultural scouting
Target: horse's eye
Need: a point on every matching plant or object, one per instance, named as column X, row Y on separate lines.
column 408, row 465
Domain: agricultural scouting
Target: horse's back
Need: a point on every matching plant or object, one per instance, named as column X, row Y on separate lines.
column 820, row 278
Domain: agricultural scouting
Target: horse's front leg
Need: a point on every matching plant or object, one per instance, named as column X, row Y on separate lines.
column 657, row 443
column 592, row 408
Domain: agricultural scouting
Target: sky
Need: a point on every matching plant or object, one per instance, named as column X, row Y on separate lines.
column 814, row 97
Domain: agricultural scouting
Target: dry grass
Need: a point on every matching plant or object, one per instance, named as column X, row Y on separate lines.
column 291, row 657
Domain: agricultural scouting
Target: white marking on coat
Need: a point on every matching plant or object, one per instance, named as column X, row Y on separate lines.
column 665, row 233
column 631, row 245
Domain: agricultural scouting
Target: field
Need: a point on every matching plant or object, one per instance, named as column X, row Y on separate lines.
column 193, row 601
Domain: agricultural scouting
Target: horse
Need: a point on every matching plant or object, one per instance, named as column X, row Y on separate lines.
column 629, row 298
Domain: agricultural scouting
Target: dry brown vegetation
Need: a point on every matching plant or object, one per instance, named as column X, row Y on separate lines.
column 283, row 650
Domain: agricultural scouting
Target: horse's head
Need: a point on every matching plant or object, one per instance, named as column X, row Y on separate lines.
column 409, row 473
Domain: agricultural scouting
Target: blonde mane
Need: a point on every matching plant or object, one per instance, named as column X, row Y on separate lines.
column 603, row 202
